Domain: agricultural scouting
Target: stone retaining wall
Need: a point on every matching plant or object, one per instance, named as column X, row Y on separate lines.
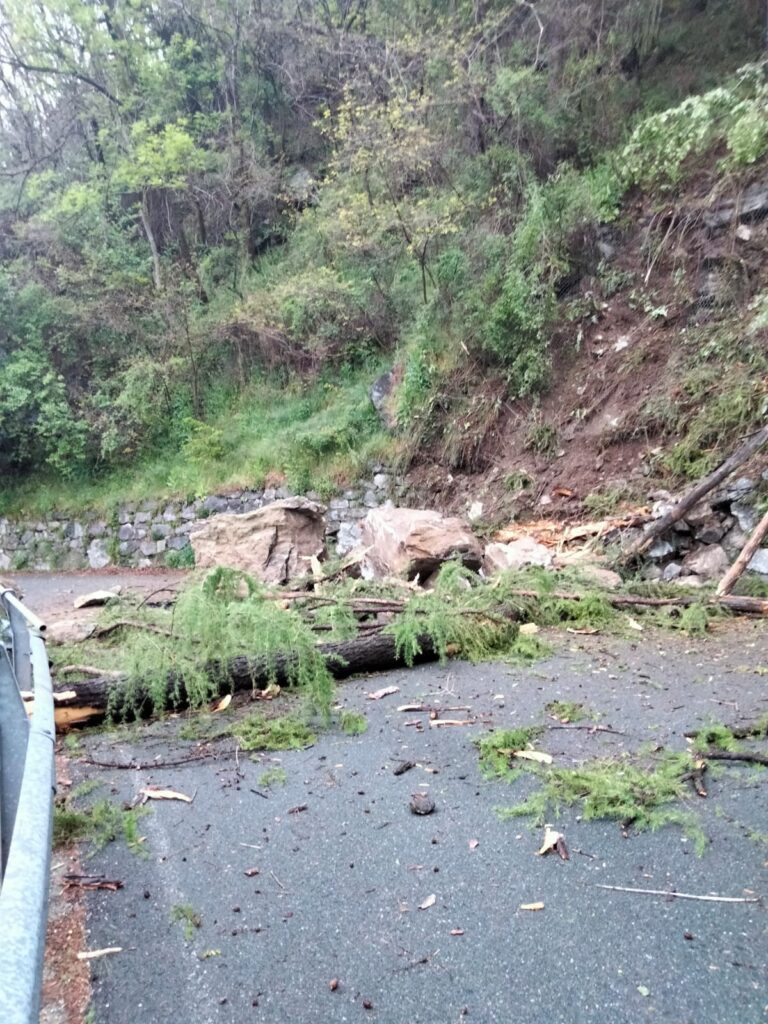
column 146, row 533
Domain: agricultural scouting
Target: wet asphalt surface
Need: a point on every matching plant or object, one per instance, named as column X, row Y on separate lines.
column 343, row 866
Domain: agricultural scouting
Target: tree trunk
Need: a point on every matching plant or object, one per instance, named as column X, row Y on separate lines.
column 146, row 223
column 750, row 446
column 366, row 653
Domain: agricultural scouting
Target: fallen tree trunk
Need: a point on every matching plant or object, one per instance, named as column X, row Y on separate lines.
column 370, row 652
column 740, row 456
column 367, row 652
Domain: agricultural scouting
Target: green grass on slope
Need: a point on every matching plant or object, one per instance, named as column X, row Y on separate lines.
column 315, row 438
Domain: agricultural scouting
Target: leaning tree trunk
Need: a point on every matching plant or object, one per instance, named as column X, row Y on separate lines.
column 371, row 652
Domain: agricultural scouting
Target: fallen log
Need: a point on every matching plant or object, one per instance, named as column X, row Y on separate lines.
column 727, row 583
column 655, row 529
column 370, row 652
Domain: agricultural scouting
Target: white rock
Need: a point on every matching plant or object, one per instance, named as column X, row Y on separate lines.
column 515, row 555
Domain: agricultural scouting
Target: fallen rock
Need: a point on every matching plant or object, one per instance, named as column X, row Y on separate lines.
column 413, row 541
column 422, row 803
column 709, row 562
column 68, row 631
column 96, row 598
column 273, row 543
column 660, row 549
column 515, row 555
column 671, row 571
column 759, row 562
column 712, row 529
column 745, row 515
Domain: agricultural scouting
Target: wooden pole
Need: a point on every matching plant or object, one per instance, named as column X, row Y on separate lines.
column 726, row 584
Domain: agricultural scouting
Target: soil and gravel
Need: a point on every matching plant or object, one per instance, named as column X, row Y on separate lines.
column 308, row 893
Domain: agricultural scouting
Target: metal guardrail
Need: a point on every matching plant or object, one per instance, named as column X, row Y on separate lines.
column 27, row 785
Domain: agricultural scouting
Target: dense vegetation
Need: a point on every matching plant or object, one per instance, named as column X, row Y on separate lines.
column 220, row 220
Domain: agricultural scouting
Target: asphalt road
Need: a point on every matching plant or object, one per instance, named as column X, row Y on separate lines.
column 339, row 883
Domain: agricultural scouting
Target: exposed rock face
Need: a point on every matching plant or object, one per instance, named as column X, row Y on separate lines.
column 516, row 554
column 273, row 543
column 409, row 542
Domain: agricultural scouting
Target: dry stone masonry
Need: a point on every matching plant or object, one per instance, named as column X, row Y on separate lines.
column 146, row 533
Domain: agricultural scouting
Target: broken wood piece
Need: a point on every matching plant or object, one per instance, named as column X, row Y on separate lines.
column 727, row 583
column 156, row 793
column 734, row 755
column 92, row 882
column 437, row 723
column 94, row 954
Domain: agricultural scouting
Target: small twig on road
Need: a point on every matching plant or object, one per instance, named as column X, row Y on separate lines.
column 588, row 728
column 272, row 873
column 683, row 895
column 733, row 755
column 145, row 765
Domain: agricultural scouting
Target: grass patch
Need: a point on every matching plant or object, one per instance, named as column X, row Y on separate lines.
column 273, row 777
column 566, row 711
column 186, row 915
column 353, row 723
column 497, row 749
column 639, row 796
column 605, row 500
column 100, row 824
column 286, row 733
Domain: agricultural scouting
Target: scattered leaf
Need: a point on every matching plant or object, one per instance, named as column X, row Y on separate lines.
column 208, row 953
column 533, row 755
column 582, row 632
column 367, row 1004
column 385, row 691
column 474, row 843
column 531, row 906
column 634, row 624
column 643, row 990
column 528, row 629
column 94, row 954
column 553, row 840
column 155, row 793
column 428, row 902
column 457, row 931
column 333, row 984
column 250, row 872
column 224, row 703
column 403, row 767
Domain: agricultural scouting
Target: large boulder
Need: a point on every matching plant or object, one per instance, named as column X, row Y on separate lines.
column 414, row 542
column 274, row 543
